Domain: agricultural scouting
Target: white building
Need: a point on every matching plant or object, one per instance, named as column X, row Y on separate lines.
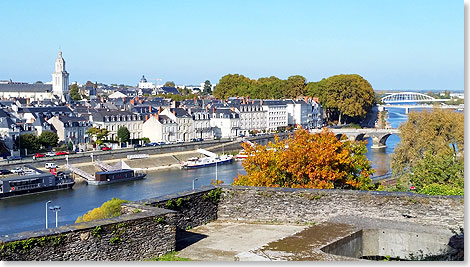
column 276, row 113
column 184, row 121
column 225, row 123
column 112, row 120
column 252, row 117
column 160, row 128
column 143, row 84
column 202, row 123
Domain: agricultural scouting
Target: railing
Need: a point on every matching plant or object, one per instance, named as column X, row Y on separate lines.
column 103, row 166
column 79, row 172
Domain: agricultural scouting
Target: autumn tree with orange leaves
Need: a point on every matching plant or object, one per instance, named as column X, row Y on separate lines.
column 307, row 160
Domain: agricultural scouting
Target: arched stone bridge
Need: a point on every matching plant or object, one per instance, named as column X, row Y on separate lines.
column 379, row 136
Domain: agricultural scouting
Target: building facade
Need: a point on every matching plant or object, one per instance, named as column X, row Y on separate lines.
column 160, row 128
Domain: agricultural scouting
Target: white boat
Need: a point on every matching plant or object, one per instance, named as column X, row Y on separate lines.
column 241, row 155
column 211, row 159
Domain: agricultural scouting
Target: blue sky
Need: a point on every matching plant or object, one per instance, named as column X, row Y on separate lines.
column 409, row 44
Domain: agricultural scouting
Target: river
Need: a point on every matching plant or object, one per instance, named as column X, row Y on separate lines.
column 26, row 213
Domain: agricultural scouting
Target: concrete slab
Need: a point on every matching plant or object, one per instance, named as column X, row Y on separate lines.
column 230, row 241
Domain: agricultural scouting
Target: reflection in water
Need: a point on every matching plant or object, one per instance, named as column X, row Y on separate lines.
column 28, row 212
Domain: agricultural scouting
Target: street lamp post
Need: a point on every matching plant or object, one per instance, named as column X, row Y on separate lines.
column 55, row 209
column 46, row 211
column 195, row 179
column 216, row 173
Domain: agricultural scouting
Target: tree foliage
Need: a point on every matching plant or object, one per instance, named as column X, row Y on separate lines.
column 430, row 155
column 207, row 90
column 169, row 84
column 307, row 160
column 123, row 134
column 295, row 86
column 345, row 97
column 74, row 94
column 29, row 141
column 98, row 134
column 48, row 139
column 109, row 209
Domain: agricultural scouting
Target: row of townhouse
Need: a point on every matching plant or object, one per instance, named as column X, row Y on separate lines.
column 159, row 119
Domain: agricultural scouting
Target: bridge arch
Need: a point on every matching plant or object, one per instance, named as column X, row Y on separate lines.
column 407, row 97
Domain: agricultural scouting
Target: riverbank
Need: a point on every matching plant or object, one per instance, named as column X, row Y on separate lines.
column 152, row 163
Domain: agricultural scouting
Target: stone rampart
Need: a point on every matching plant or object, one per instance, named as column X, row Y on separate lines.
column 287, row 205
column 150, row 227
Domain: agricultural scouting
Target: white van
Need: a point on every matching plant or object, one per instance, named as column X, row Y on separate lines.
column 51, row 166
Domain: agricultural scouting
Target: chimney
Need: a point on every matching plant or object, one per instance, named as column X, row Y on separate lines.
column 146, row 117
column 150, row 109
column 132, row 101
column 306, row 99
column 213, row 110
column 174, row 112
column 232, row 109
column 159, row 109
column 158, row 117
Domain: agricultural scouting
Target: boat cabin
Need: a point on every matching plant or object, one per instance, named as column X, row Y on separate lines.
column 114, row 175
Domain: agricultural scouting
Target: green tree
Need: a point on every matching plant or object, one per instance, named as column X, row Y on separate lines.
column 123, row 134
column 70, row 146
column 39, row 82
column 109, row 209
column 207, row 88
column 169, row 84
column 347, row 97
column 430, row 155
column 74, row 94
column 232, row 85
column 270, row 88
column 30, row 142
column 98, row 134
column 48, row 139
column 295, row 86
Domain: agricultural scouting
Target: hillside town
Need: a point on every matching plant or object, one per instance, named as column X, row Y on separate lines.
column 149, row 119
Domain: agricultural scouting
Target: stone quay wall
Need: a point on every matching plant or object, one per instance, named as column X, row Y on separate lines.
column 150, row 227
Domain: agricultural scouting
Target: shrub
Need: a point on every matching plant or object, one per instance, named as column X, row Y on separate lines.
column 109, row 209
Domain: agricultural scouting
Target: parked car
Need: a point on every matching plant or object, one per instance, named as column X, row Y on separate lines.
column 4, row 172
column 38, row 155
column 105, row 148
column 14, row 158
column 17, row 170
column 51, row 165
column 59, row 153
column 50, row 154
column 29, row 172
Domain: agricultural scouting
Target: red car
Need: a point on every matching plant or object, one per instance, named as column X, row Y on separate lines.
column 58, row 153
column 38, row 155
column 105, row 148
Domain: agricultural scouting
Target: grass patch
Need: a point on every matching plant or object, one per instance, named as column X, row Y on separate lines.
column 171, row 256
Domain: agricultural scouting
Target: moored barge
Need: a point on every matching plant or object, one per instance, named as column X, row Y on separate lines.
column 35, row 183
column 115, row 176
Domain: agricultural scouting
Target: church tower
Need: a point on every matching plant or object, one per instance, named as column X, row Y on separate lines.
column 60, row 79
